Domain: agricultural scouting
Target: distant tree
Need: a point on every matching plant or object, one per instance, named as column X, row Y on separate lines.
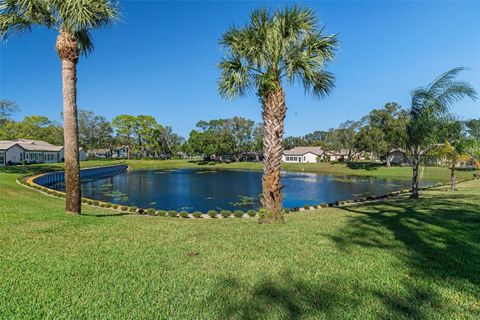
column 7, row 109
column 391, row 124
column 94, row 131
column 345, row 138
column 33, row 127
column 371, row 139
column 473, row 128
column 124, row 126
column 429, row 108
column 73, row 20
column 456, row 147
column 283, row 45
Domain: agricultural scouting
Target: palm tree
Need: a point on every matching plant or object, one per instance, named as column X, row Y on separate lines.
column 271, row 48
column 73, row 20
column 428, row 113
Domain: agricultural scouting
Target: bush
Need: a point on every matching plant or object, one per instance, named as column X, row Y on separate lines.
column 108, row 205
column 115, row 206
column 238, row 213
column 212, row 213
column 226, row 213
column 324, row 205
column 162, row 213
column 124, row 208
column 286, row 211
column 141, row 211
column 197, row 214
column 132, row 209
column 151, row 211
column 172, row 213
column 306, row 207
column 95, row 203
column 184, row 214
column 252, row 213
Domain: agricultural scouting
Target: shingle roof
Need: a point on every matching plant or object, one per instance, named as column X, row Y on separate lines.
column 31, row 145
column 298, row 151
column 4, row 145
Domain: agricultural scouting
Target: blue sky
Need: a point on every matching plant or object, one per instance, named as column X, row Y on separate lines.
column 161, row 60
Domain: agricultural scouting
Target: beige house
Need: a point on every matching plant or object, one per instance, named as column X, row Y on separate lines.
column 31, row 151
column 303, row 154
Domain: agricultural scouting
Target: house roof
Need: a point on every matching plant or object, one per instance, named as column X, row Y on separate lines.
column 30, row 145
column 299, row 151
column 99, row 151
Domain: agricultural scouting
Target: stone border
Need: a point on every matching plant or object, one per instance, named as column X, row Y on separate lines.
column 29, row 182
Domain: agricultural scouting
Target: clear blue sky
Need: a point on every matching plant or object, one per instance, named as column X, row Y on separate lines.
column 161, row 60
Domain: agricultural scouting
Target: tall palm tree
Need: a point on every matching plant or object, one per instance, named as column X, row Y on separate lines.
column 428, row 112
column 73, row 19
column 271, row 48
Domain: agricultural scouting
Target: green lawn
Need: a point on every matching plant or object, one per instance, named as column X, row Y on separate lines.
column 390, row 260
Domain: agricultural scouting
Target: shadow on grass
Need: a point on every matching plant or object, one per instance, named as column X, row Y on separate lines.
column 288, row 296
column 31, row 169
column 435, row 242
column 203, row 162
column 105, row 215
column 364, row 165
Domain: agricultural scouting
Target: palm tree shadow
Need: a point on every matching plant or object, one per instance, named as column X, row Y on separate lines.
column 290, row 297
column 280, row 297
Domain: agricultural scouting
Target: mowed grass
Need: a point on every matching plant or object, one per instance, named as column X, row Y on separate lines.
column 388, row 260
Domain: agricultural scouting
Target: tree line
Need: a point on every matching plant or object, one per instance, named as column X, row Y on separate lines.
column 384, row 130
column 142, row 135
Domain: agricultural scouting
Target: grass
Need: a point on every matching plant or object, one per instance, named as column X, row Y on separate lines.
column 396, row 259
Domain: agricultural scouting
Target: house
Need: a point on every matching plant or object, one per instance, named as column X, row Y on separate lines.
column 120, row 152
column 398, row 157
column 333, row 155
column 99, row 153
column 303, row 154
column 31, row 151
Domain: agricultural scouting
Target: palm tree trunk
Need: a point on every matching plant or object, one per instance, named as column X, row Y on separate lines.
column 274, row 111
column 415, row 165
column 452, row 178
column 68, row 52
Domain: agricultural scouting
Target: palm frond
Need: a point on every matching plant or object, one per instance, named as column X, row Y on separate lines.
column 85, row 43
column 76, row 15
column 235, row 80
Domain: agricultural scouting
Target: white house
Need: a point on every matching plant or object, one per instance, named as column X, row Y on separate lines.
column 31, row 151
column 303, row 154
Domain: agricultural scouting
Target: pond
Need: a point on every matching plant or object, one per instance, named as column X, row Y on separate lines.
column 202, row 190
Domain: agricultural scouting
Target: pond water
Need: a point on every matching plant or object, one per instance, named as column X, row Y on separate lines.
column 193, row 189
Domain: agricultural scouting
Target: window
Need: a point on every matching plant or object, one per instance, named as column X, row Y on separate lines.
column 2, row 158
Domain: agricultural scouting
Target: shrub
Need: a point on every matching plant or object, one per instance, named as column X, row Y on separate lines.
column 238, row 213
column 197, row 214
column 324, row 205
column 226, row 213
column 124, row 208
column 108, row 205
column 162, row 213
column 151, row 211
column 141, row 211
column 132, row 209
column 172, row 213
column 212, row 213
column 306, row 207
column 286, row 210
column 184, row 214
column 95, row 203
column 252, row 213
column 115, row 206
